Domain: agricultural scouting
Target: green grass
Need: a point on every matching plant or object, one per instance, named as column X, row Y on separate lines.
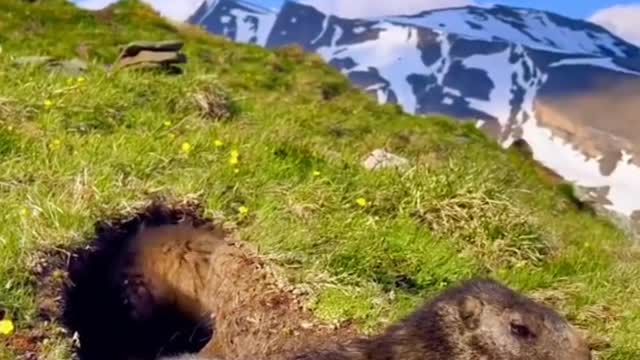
column 465, row 208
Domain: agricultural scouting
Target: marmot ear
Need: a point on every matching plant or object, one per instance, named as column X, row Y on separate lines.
column 470, row 310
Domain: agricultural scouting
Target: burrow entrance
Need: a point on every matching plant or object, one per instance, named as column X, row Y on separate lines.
column 93, row 307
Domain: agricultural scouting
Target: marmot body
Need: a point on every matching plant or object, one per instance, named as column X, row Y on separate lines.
column 202, row 274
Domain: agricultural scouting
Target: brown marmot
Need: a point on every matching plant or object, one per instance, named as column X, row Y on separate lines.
column 198, row 272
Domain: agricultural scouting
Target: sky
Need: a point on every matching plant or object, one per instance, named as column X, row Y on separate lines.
column 619, row 16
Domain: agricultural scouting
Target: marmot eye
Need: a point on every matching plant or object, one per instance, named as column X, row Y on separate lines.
column 522, row 331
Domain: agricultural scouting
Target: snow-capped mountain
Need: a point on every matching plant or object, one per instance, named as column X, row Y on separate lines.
column 567, row 87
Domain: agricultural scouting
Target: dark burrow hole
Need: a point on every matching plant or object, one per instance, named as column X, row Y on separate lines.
column 94, row 309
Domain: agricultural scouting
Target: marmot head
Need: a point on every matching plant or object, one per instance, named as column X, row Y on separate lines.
column 487, row 320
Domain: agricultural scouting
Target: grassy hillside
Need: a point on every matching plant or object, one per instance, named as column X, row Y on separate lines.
column 73, row 149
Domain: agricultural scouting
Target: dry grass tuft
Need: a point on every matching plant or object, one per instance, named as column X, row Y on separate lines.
column 213, row 103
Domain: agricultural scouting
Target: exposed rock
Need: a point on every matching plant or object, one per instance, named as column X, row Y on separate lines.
column 164, row 55
column 70, row 67
column 33, row 60
column 381, row 159
column 134, row 48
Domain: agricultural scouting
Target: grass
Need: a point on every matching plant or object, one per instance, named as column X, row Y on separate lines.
column 73, row 150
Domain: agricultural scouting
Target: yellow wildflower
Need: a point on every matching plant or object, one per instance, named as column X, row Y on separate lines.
column 55, row 144
column 234, row 157
column 171, row 136
column 24, row 211
column 218, row 143
column 186, row 148
column 48, row 104
column 243, row 210
column 235, row 171
column 80, row 80
column 167, row 123
column 361, row 202
column 316, row 173
column 6, row 327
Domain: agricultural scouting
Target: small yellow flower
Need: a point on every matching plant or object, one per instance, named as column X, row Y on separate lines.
column 80, row 80
column 243, row 210
column 48, row 104
column 235, row 171
column 218, row 143
column 171, row 136
column 362, row 202
column 316, row 173
column 167, row 123
column 24, row 211
column 186, row 148
column 6, row 327
column 234, row 157
column 55, row 144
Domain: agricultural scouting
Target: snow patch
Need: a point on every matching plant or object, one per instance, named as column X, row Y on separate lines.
column 359, row 30
column 535, row 30
column 394, row 54
column 598, row 62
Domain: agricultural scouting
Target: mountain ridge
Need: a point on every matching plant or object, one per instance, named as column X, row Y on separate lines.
column 511, row 71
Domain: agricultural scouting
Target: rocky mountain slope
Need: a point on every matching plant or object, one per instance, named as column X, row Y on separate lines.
column 567, row 87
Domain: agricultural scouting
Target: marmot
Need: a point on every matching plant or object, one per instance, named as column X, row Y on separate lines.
column 201, row 274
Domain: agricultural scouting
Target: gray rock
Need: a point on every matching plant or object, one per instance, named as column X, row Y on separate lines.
column 33, row 60
column 381, row 159
column 134, row 48
column 151, row 55
column 146, row 57
column 70, row 67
